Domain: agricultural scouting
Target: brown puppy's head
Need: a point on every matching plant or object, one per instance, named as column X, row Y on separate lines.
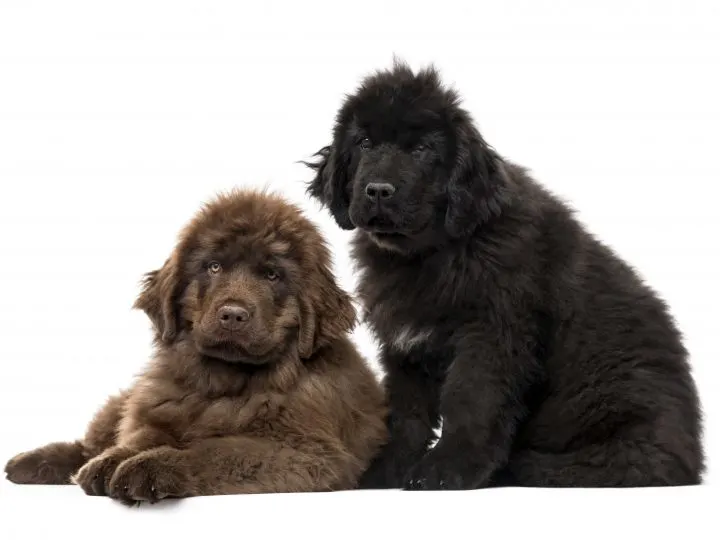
column 407, row 166
column 248, row 281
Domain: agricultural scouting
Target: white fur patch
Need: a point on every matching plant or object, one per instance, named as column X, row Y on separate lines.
column 407, row 338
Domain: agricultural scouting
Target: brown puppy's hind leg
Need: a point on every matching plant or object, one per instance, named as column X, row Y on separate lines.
column 50, row 464
column 55, row 463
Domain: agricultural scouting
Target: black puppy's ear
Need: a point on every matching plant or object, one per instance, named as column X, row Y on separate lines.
column 478, row 187
column 158, row 298
column 326, row 313
column 330, row 185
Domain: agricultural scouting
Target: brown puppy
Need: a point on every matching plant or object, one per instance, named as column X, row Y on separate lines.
column 254, row 386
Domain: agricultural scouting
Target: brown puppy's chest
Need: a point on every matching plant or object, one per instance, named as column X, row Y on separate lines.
column 181, row 419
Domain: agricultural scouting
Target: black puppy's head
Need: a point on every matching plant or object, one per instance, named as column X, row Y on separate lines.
column 407, row 166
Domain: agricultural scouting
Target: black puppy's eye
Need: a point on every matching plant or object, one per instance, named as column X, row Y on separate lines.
column 271, row 274
column 365, row 143
column 420, row 147
column 214, row 267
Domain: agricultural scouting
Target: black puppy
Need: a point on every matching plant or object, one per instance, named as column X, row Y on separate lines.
column 548, row 360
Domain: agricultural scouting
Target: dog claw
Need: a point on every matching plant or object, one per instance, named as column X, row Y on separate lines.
column 417, row 483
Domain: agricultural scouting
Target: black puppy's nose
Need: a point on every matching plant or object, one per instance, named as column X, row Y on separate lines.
column 379, row 191
column 232, row 316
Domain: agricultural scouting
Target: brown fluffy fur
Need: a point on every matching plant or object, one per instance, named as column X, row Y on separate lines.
column 280, row 403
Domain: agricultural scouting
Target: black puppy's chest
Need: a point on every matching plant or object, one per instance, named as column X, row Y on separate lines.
column 406, row 309
column 413, row 327
column 418, row 306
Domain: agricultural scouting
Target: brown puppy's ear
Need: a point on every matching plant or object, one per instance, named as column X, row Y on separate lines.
column 330, row 184
column 157, row 298
column 478, row 188
column 326, row 313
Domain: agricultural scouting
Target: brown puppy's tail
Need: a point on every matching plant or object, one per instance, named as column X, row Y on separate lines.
column 54, row 463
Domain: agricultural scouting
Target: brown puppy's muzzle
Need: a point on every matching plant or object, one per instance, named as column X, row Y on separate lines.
column 233, row 317
column 233, row 321
column 235, row 328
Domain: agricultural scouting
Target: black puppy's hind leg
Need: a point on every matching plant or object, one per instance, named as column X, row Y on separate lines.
column 615, row 463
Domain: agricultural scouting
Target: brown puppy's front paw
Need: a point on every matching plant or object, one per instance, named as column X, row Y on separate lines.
column 148, row 478
column 95, row 476
column 51, row 464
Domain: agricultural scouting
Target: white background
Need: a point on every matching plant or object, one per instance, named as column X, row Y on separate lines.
column 118, row 118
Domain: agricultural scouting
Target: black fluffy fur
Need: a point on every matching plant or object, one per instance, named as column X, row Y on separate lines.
column 548, row 359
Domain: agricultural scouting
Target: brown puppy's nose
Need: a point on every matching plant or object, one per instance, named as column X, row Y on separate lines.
column 379, row 191
column 232, row 316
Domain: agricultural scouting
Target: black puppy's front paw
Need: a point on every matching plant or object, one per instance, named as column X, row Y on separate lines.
column 389, row 469
column 444, row 469
column 382, row 474
column 433, row 473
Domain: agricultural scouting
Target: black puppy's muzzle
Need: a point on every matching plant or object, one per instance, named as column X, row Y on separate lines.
column 379, row 192
column 376, row 207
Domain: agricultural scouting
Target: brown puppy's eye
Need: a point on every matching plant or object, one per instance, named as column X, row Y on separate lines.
column 214, row 267
column 365, row 143
column 272, row 275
